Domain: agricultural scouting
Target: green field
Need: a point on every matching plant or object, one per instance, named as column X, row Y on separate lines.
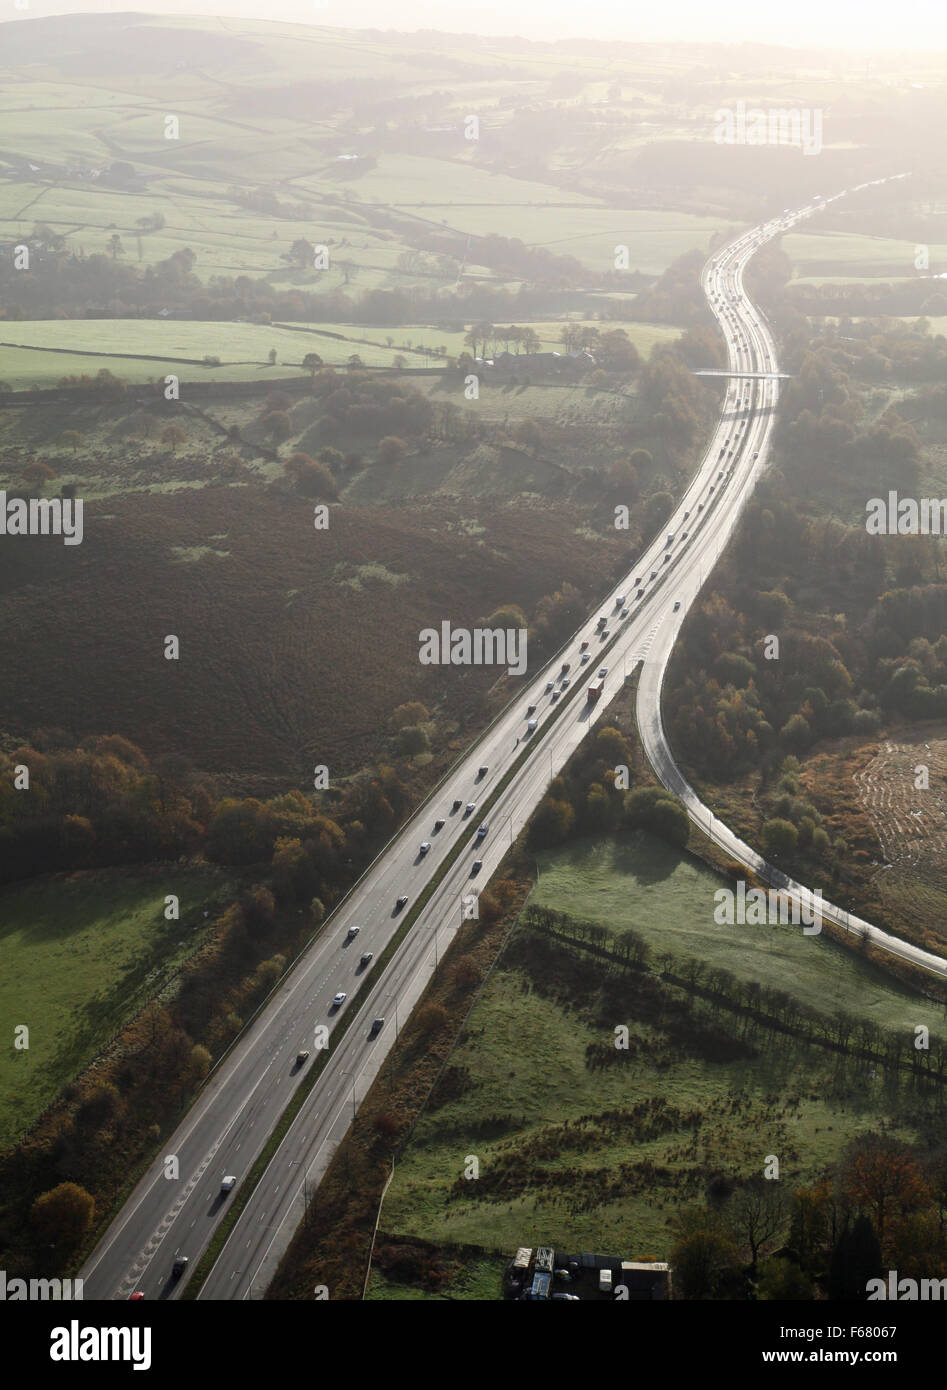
column 601, row 1158
column 668, row 898
column 85, row 346
column 80, row 954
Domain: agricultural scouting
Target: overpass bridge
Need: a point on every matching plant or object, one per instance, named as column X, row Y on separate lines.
column 743, row 376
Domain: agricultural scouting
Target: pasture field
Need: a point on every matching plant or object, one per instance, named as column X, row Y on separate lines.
column 668, row 898
column 601, row 1157
column 81, row 953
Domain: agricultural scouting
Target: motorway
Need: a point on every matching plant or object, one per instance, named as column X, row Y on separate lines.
column 240, row 1104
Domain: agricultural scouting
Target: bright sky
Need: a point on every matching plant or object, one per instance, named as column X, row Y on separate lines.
column 910, row 24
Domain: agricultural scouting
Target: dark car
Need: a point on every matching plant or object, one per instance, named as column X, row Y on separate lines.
column 477, row 866
column 179, row 1266
column 482, row 772
column 376, row 1027
column 401, row 901
column 456, row 806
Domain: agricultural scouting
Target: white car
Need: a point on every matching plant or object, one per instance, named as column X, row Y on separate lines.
column 338, row 999
column 425, row 846
column 228, row 1184
column 353, row 931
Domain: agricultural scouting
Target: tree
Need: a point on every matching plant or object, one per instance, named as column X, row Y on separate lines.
column 759, row 1211
column 705, row 1260
column 173, row 436
column 312, row 362
column 413, row 712
column 781, row 1281
column 391, row 449
column 882, row 1176
column 411, row 741
column 855, row 1259
column 115, row 246
column 780, row 838
column 271, row 357
column 432, row 1018
column 63, row 1215
column 277, row 426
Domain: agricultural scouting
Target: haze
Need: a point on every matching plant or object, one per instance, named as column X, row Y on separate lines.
column 918, row 25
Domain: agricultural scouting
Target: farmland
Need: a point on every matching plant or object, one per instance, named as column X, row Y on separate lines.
column 41, row 352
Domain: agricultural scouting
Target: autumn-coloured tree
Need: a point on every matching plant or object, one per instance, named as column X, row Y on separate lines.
column 413, row 712
column 63, row 1215
column 882, row 1177
column 390, row 449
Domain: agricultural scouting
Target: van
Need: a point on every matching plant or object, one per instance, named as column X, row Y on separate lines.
column 530, row 725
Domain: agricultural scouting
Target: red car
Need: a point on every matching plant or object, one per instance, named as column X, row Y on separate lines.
column 136, row 1297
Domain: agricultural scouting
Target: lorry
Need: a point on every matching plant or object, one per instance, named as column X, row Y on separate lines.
column 595, row 690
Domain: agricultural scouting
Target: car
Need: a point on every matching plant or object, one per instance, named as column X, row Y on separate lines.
column 476, row 867
column 228, row 1184
column 603, row 671
column 637, row 581
column 136, row 1297
column 482, row 771
column 302, row 1056
column 554, row 697
column 620, row 601
column 482, row 831
column 377, row 1025
column 623, row 613
column 365, row 958
column 640, row 593
column 654, row 574
column 179, row 1266
column 605, row 634
column 531, row 709
column 720, row 474
column 677, row 605
column 457, row 805
column 586, row 656
column 531, row 723
column 438, row 825
column 470, row 807
column 338, row 999
column 684, row 535
column 583, row 646
column 549, row 686
column 401, row 902
column 667, row 559
column 564, row 667
column 424, row 846
column 757, row 454
column 566, row 1297
column 565, row 682
column 352, row 932
column 700, row 506
column 686, row 515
